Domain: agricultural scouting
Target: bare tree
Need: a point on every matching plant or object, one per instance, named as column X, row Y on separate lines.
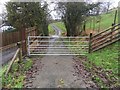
column 107, row 5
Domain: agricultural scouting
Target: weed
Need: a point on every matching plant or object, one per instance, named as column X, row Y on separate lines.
column 15, row 77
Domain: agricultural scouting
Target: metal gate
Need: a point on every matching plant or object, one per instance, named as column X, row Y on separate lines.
column 55, row 45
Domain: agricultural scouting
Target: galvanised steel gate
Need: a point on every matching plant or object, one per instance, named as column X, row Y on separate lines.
column 55, row 45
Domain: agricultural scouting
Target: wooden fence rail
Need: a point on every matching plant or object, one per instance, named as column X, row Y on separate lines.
column 104, row 38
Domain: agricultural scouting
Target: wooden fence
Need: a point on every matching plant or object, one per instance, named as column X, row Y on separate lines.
column 9, row 39
column 104, row 38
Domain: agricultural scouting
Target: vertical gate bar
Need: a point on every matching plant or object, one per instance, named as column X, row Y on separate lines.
column 37, row 41
column 69, row 40
column 28, row 45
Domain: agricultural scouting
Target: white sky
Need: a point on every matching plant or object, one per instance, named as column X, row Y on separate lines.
column 2, row 2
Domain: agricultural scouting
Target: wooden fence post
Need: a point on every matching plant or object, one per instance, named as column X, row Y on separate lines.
column 20, row 52
column 90, row 37
column 112, row 31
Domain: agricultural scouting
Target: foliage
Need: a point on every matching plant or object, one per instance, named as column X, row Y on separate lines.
column 27, row 14
column 16, row 76
column 106, row 21
column 73, row 14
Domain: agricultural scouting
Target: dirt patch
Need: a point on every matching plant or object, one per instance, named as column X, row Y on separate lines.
column 87, row 32
column 80, row 71
column 31, row 73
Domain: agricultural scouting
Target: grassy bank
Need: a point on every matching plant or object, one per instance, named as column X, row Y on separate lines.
column 107, row 59
column 15, row 78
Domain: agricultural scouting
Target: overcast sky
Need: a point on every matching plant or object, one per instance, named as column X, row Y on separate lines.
column 2, row 2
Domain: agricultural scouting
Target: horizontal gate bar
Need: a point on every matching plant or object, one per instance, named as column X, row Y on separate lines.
column 59, row 41
column 54, row 37
column 55, row 47
column 58, row 54
column 61, row 46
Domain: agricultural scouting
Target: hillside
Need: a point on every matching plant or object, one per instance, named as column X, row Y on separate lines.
column 106, row 21
column 92, row 24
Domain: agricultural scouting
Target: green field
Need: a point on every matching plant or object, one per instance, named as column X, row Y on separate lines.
column 58, row 24
column 105, row 21
column 61, row 26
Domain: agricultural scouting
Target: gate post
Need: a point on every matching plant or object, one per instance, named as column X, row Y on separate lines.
column 90, row 46
column 23, row 40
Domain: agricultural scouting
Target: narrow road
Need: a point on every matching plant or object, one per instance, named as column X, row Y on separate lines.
column 8, row 54
column 57, row 30
column 56, row 71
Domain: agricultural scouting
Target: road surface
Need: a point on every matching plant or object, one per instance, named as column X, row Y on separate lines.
column 8, row 54
column 56, row 72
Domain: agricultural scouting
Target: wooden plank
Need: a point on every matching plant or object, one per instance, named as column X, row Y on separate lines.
column 105, row 30
column 102, row 43
column 105, row 45
column 11, row 63
column 104, row 35
column 103, row 39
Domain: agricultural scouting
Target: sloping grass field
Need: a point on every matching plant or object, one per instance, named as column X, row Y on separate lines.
column 105, row 21
column 102, row 21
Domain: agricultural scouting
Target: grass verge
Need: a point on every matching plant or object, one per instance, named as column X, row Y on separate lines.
column 106, row 58
column 15, row 78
